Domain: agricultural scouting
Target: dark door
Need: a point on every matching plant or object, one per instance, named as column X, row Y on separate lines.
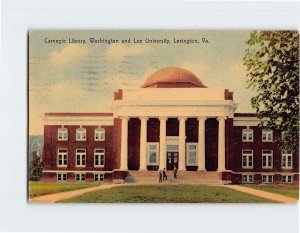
column 172, row 160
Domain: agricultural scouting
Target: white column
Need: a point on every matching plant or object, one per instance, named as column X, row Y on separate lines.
column 124, row 143
column 143, row 143
column 221, row 144
column 162, row 143
column 181, row 163
column 201, row 143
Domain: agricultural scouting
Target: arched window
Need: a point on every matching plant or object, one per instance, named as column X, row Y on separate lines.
column 247, row 135
column 267, row 135
column 99, row 134
column 62, row 134
column 80, row 134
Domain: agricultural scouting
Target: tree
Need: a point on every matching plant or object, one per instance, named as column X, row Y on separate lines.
column 272, row 63
column 35, row 169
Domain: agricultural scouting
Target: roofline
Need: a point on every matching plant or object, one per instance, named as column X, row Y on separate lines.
column 154, row 82
column 78, row 114
column 245, row 115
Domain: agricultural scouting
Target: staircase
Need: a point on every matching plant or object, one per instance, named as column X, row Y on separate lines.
column 183, row 177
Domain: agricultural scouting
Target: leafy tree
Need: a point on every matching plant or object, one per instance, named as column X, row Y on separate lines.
column 35, row 169
column 272, row 62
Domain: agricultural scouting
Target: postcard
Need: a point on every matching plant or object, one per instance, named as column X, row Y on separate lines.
column 163, row 116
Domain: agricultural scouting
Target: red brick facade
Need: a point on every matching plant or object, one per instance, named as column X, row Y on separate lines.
column 234, row 146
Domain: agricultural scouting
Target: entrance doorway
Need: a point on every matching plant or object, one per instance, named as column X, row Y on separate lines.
column 172, row 160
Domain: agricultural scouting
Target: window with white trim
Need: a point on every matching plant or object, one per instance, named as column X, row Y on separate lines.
column 99, row 157
column 80, row 134
column 191, row 153
column 80, row 157
column 247, row 135
column 79, row 177
column 286, row 179
column 61, row 176
column 248, row 179
column 267, row 159
column 62, row 157
column 98, row 177
column 99, row 134
column 247, row 159
column 152, row 153
column 286, row 160
column 267, row 179
column 267, row 135
column 62, row 134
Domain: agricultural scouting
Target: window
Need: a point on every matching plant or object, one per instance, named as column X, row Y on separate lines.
column 267, row 135
column 99, row 157
column 248, row 179
column 247, row 160
column 287, row 179
column 80, row 157
column 80, row 134
column 152, row 154
column 247, row 135
column 267, row 159
column 99, row 134
column 286, row 160
column 61, row 177
column 98, row 177
column 267, row 179
column 191, row 149
column 62, row 157
column 80, row 177
column 62, row 134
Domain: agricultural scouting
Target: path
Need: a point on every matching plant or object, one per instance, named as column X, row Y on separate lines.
column 51, row 198
column 263, row 194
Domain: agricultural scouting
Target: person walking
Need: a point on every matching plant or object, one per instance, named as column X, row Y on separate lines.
column 160, row 177
column 165, row 177
column 175, row 172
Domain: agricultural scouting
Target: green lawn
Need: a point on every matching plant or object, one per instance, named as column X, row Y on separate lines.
column 166, row 194
column 39, row 188
column 287, row 190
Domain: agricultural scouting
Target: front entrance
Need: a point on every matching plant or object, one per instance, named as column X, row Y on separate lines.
column 172, row 160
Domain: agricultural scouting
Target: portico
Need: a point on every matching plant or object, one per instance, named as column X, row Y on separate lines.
column 163, row 151
column 173, row 99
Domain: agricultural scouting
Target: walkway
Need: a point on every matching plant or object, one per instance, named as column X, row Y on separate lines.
column 51, row 198
column 263, row 194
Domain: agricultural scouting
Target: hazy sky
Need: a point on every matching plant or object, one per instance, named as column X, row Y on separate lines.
column 76, row 77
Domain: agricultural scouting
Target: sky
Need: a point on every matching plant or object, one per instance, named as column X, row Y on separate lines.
column 82, row 77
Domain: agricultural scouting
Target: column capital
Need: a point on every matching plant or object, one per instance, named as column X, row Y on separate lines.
column 144, row 118
column 182, row 118
column 221, row 118
column 161, row 118
column 124, row 118
column 199, row 118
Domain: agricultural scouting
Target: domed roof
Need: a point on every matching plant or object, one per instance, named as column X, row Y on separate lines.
column 174, row 76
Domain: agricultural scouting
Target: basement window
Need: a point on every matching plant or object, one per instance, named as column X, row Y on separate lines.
column 79, row 177
column 267, row 179
column 287, row 179
column 61, row 176
column 99, row 177
column 248, row 179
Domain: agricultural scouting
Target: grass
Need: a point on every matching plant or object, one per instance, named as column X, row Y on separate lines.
column 40, row 188
column 286, row 190
column 166, row 194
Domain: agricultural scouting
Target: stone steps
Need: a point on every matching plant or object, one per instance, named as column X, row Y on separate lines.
column 183, row 177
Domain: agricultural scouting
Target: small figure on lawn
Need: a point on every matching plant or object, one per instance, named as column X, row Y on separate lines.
column 165, row 177
column 175, row 172
column 160, row 177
